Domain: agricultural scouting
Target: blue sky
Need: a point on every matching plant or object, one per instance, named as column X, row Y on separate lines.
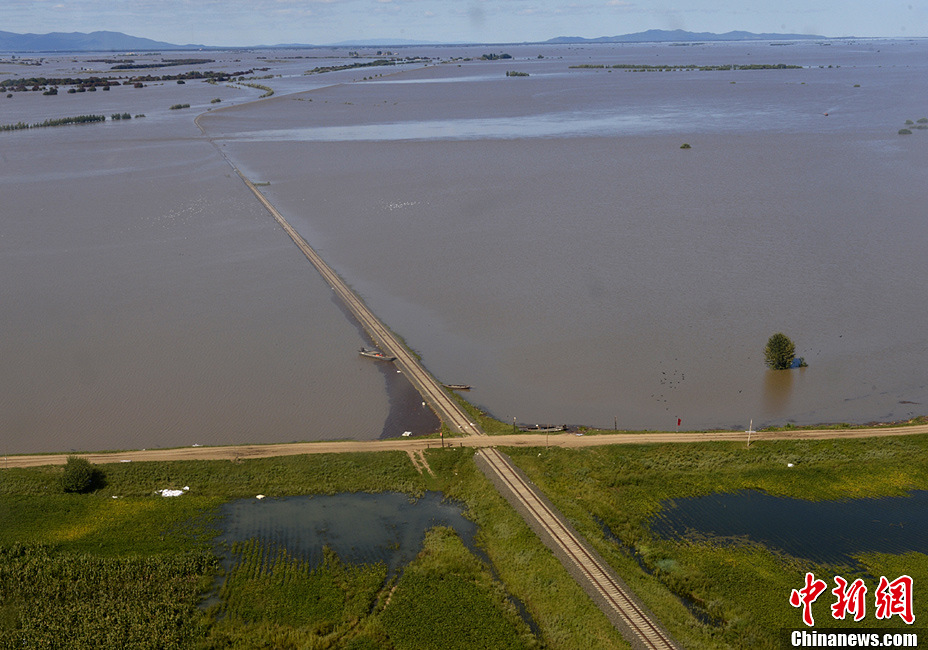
column 252, row 22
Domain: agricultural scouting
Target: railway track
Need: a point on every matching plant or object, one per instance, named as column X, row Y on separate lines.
column 613, row 598
column 431, row 390
column 606, row 590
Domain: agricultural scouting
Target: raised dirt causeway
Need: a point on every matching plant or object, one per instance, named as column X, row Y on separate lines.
column 568, row 440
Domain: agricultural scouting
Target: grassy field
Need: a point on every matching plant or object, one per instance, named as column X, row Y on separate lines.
column 114, row 571
column 269, row 599
column 739, row 592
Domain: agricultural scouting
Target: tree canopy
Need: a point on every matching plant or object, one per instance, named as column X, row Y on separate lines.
column 780, row 352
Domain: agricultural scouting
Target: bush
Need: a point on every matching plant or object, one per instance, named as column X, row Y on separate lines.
column 904, row 132
column 780, row 352
column 78, row 475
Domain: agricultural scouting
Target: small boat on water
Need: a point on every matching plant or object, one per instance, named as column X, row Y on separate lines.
column 537, row 428
column 375, row 354
column 457, row 386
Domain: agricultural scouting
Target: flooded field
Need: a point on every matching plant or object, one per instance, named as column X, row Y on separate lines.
column 360, row 528
column 542, row 238
column 148, row 299
column 547, row 240
column 822, row 531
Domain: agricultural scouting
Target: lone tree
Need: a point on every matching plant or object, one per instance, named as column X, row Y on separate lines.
column 780, row 352
column 79, row 475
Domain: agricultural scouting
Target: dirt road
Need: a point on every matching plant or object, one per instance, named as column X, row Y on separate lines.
column 568, row 440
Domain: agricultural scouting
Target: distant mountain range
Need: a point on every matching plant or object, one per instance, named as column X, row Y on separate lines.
column 119, row 42
column 79, row 42
column 675, row 35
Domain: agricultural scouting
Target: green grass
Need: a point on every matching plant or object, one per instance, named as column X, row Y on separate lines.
column 442, row 593
column 141, row 525
column 274, row 600
column 745, row 588
column 268, row 585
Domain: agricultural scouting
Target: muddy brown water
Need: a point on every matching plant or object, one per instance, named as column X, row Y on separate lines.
column 544, row 239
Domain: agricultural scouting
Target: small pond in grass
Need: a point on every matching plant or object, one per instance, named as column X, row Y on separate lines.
column 361, row 528
column 821, row 531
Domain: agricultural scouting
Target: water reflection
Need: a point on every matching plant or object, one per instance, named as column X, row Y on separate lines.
column 652, row 119
column 778, row 387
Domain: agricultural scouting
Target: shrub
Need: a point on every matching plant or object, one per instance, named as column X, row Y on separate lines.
column 78, row 475
column 904, row 132
column 686, row 145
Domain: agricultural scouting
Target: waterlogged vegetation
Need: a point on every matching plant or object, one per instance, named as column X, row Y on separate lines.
column 727, row 593
column 333, row 605
column 268, row 91
column 710, row 593
column 921, row 124
column 639, row 67
column 448, row 588
column 268, row 593
column 61, row 121
column 368, row 64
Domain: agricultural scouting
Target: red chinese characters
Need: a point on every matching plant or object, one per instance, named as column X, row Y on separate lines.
column 850, row 599
column 892, row 598
column 806, row 596
column 895, row 598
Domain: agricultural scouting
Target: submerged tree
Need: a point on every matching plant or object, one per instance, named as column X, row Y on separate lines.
column 780, row 352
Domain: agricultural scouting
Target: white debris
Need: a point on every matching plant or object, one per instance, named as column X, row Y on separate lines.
column 789, row 464
column 173, row 493
column 260, row 496
column 406, row 434
column 125, row 460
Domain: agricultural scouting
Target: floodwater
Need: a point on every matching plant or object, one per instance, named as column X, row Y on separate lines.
column 360, row 528
column 821, row 531
column 149, row 301
column 542, row 238
column 547, row 240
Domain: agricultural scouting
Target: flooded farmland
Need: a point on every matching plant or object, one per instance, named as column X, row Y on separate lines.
column 821, row 531
column 543, row 238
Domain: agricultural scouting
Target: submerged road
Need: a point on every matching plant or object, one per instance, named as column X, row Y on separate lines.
column 450, row 412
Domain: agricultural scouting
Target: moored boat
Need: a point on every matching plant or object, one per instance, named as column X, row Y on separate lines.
column 375, row 354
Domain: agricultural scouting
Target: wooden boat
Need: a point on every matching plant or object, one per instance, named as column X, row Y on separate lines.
column 375, row 354
column 457, row 386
